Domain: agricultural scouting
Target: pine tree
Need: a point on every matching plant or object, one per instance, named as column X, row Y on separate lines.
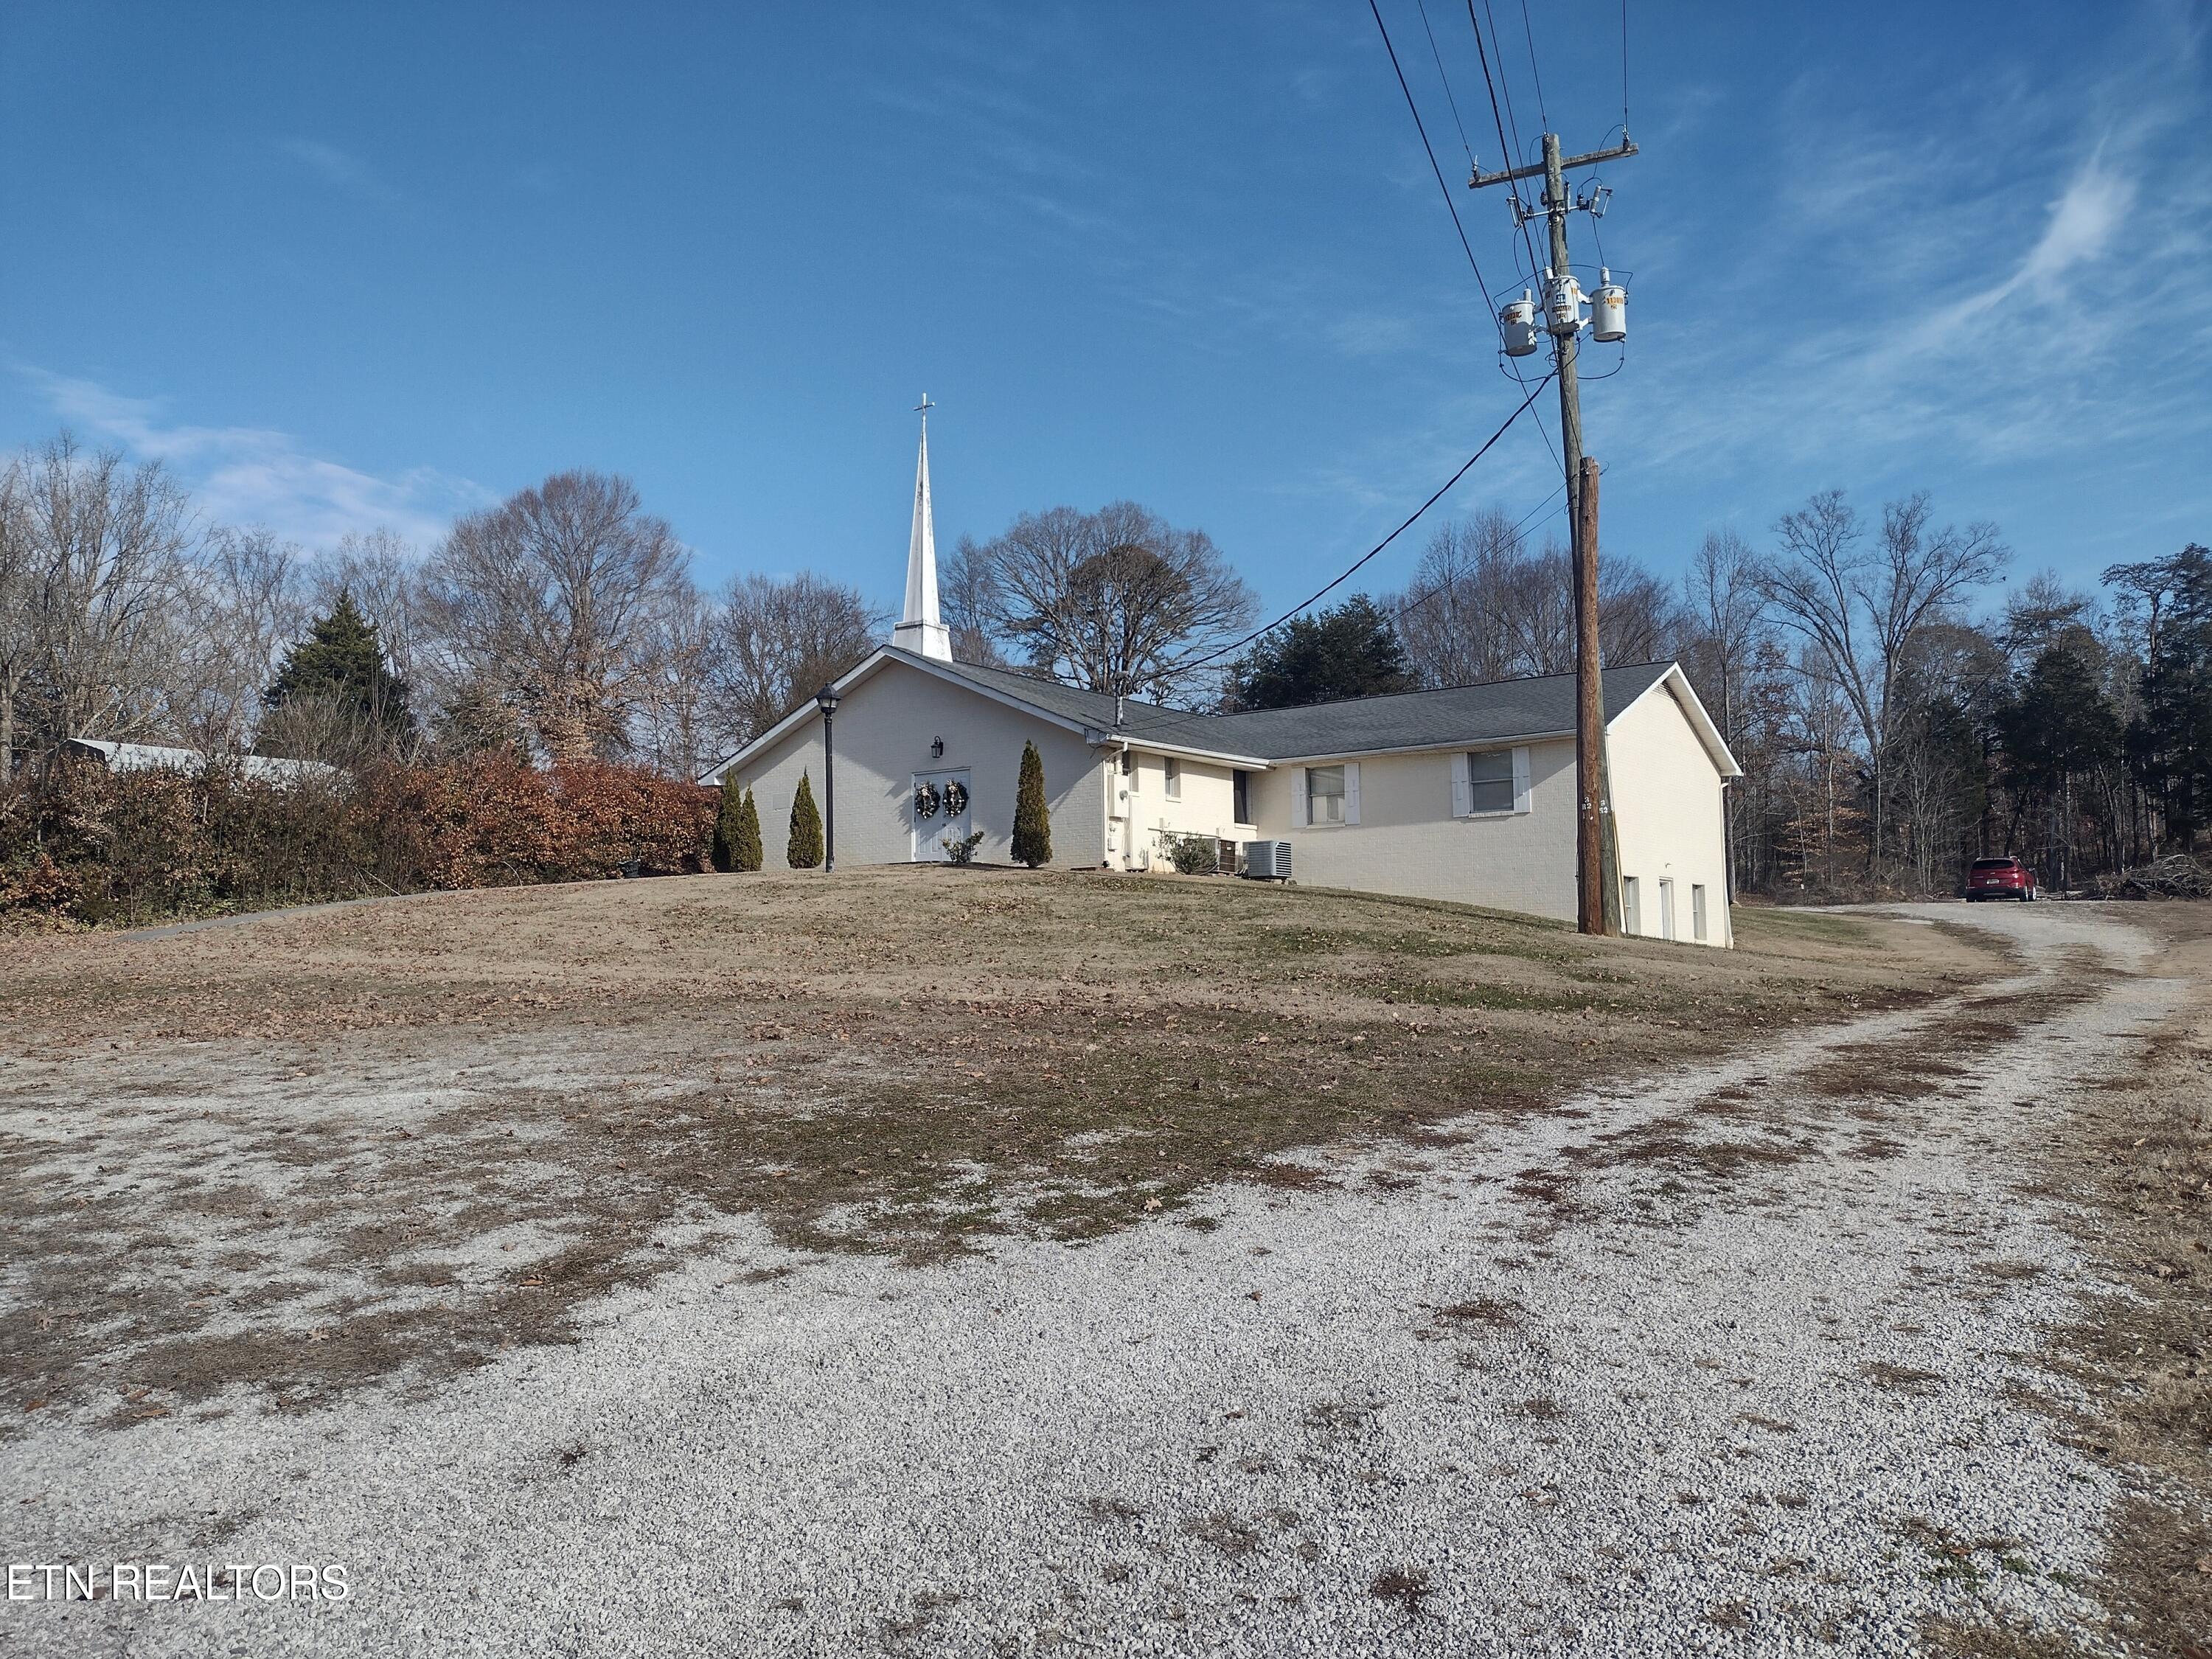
column 341, row 665
column 749, row 853
column 1032, row 817
column 729, row 821
column 805, row 849
column 1352, row 651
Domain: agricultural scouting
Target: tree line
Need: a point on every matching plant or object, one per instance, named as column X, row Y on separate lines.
column 1893, row 715
column 1895, row 711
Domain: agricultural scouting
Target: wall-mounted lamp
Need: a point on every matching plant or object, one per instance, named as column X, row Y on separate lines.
column 937, row 749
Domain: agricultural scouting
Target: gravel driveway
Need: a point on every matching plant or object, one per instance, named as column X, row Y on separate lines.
column 1735, row 1362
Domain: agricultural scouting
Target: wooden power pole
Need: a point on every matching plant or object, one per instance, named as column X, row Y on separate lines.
column 1591, row 887
column 1597, row 886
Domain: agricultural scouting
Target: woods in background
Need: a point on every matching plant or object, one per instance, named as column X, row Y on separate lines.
column 1893, row 715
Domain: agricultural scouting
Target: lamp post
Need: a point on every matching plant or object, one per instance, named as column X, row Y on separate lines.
column 827, row 700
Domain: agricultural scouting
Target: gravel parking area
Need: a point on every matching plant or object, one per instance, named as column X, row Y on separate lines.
column 1741, row 1358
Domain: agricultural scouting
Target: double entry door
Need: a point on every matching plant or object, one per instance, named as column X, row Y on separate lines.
column 939, row 806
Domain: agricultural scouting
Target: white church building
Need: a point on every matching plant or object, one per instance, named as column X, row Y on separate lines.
column 1465, row 795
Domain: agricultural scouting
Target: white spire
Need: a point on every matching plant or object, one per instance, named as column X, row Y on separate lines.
column 920, row 629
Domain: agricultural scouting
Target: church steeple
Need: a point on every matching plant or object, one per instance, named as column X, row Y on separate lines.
column 920, row 629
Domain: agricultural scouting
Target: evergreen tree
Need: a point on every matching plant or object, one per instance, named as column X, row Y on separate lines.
column 2170, row 743
column 1352, row 651
column 749, row 853
column 729, row 823
column 341, row 665
column 804, row 851
column 1032, row 816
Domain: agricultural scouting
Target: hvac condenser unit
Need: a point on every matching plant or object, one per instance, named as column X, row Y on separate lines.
column 1268, row 860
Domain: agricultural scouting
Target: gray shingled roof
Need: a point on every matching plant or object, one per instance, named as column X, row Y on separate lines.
column 1412, row 720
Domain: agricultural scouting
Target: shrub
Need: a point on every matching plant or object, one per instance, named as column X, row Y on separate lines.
column 138, row 846
column 1193, row 855
column 962, row 849
column 1032, row 817
column 729, row 823
column 750, row 851
column 803, row 852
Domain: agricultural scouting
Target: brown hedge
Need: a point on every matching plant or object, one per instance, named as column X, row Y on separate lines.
column 136, row 847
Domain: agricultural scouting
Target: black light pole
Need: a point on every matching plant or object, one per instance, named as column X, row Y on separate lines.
column 826, row 699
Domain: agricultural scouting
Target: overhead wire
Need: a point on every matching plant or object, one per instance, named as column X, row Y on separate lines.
column 1499, row 119
column 1529, row 33
column 1446, row 79
column 1450, row 206
column 1407, row 523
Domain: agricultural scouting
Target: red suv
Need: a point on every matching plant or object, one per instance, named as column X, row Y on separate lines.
column 2000, row 879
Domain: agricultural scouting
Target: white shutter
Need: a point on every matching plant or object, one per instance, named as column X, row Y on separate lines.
column 1462, row 796
column 1352, row 791
column 1520, row 779
column 1298, row 797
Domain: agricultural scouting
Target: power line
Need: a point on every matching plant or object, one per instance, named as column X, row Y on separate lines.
column 1450, row 205
column 1499, row 120
column 1446, row 79
column 1354, row 566
column 1445, row 587
column 1520, row 219
column 1528, row 34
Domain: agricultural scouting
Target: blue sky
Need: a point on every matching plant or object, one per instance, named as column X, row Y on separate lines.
column 342, row 268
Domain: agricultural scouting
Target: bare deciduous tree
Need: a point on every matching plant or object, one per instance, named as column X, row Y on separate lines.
column 1118, row 601
column 776, row 643
column 107, row 545
column 19, row 606
column 243, row 603
column 553, row 599
column 1860, row 606
column 1484, row 608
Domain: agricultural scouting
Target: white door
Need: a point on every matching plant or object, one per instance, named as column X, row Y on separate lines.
column 1666, row 910
column 939, row 806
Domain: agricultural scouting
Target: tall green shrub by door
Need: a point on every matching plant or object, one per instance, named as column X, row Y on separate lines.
column 1032, row 817
column 729, row 819
column 750, row 851
column 804, row 851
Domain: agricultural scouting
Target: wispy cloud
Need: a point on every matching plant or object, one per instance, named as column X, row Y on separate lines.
column 1983, row 303
column 338, row 168
column 254, row 475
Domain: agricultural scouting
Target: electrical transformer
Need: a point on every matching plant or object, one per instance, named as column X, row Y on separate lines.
column 1518, row 323
column 1608, row 309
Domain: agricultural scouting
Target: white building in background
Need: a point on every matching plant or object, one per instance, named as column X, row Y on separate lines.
column 145, row 756
column 1465, row 795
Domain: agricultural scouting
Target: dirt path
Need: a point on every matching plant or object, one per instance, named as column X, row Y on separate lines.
column 1740, row 1361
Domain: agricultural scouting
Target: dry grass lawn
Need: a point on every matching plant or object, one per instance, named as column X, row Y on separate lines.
column 397, row 1138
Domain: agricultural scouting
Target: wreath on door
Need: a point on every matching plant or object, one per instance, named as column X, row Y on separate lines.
column 955, row 799
column 924, row 800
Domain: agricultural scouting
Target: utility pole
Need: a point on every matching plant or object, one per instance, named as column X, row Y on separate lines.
column 1592, row 885
column 1596, row 876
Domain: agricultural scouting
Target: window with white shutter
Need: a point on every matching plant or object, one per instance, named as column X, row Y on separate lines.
column 1520, row 779
column 1301, row 810
column 1324, row 794
column 1490, row 778
column 1460, row 808
column 1352, row 791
